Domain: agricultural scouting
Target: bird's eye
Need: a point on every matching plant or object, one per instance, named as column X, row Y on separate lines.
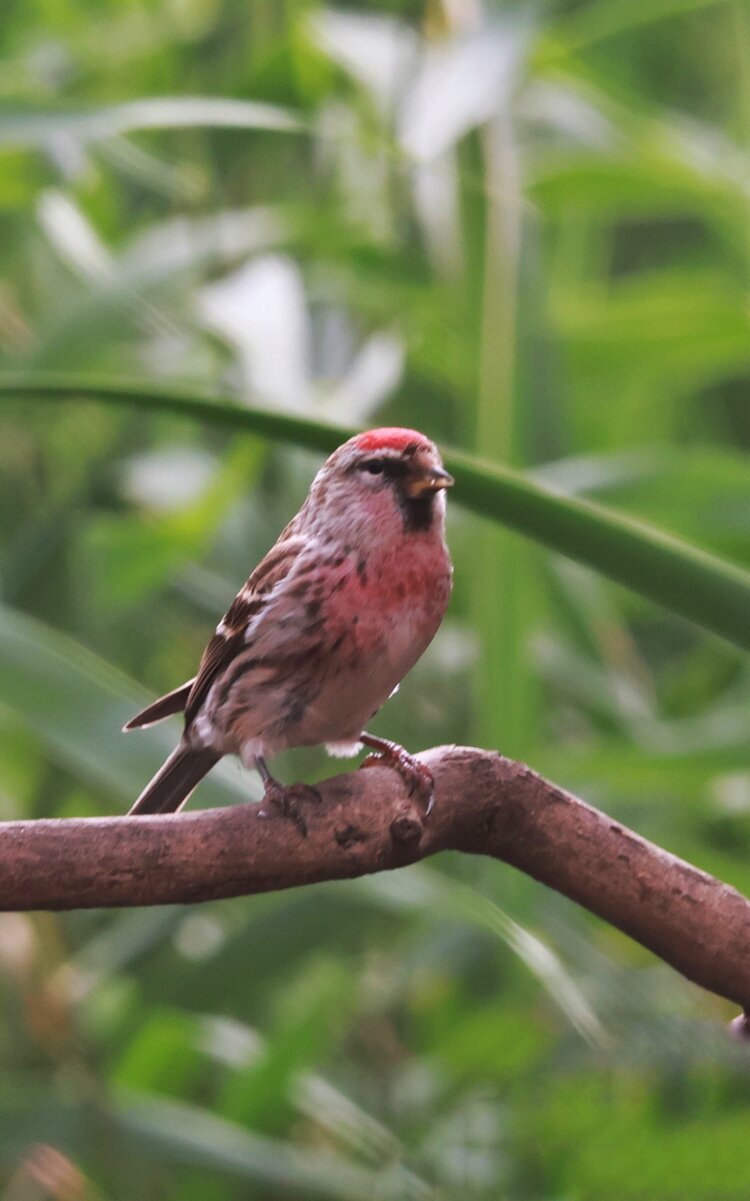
column 374, row 466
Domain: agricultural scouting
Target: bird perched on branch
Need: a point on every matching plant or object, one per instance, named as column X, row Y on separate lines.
column 325, row 628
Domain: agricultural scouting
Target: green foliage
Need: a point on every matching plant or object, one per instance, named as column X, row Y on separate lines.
column 523, row 229
column 691, row 582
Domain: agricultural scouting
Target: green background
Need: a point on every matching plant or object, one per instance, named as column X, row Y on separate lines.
column 524, row 229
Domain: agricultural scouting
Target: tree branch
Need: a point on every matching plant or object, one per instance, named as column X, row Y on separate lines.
column 486, row 805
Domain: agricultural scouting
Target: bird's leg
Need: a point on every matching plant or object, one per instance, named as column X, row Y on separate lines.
column 418, row 777
column 285, row 799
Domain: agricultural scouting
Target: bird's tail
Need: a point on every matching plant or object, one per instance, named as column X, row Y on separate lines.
column 175, row 780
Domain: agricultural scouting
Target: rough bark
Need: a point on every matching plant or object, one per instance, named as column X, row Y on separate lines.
column 365, row 822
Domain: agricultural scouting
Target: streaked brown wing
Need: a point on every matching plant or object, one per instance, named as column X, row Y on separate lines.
column 277, row 564
column 218, row 654
column 230, row 639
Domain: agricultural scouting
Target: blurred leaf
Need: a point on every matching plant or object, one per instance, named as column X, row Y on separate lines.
column 76, row 705
column 619, row 1139
column 155, row 112
column 162, row 1055
column 260, row 310
column 601, row 19
column 186, row 1134
column 460, row 84
column 238, row 1046
column 121, row 558
column 378, row 50
column 438, row 895
column 687, row 580
column 260, row 1093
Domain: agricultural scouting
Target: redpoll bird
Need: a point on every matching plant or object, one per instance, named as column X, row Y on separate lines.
column 326, row 626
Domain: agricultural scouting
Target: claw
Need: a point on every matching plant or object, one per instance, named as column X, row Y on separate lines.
column 286, row 799
column 417, row 776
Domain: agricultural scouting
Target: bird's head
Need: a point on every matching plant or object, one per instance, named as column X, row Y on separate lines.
column 381, row 479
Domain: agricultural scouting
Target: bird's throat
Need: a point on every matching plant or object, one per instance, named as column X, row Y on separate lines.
column 418, row 513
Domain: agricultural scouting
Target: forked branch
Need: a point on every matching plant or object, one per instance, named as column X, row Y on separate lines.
column 486, row 805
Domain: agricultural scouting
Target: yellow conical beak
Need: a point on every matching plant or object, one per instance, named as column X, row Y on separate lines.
column 428, row 479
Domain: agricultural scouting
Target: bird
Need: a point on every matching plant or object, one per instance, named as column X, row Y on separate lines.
column 324, row 630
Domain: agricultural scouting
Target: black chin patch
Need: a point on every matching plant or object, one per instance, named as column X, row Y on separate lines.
column 418, row 512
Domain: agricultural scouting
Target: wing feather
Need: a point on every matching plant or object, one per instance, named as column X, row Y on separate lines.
column 173, row 702
column 234, row 632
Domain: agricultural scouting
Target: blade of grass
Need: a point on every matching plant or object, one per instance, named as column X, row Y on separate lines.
column 175, row 1132
column 502, row 604
column 38, row 128
column 682, row 577
column 75, row 703
column 446, row 899
column 609, row 18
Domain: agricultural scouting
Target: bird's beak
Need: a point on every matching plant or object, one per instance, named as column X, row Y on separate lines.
column 426, row 480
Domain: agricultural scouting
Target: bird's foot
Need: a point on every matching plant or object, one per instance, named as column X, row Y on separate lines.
column 286, row 799
column 417, row 776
